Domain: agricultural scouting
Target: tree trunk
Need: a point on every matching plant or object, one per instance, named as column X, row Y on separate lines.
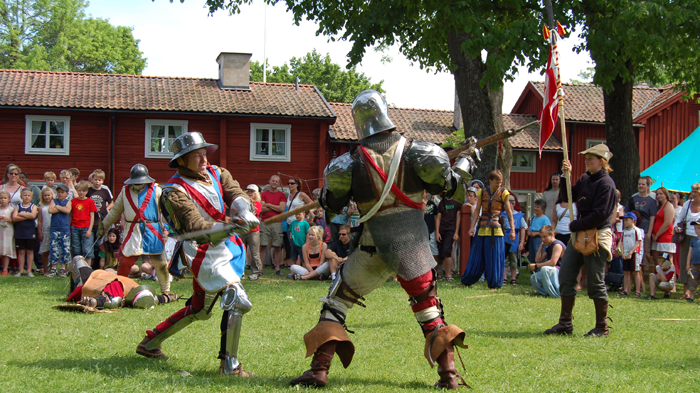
column 506, row 161
column 620, row 135
column 481, row 108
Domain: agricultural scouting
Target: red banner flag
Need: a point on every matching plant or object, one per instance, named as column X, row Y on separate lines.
column 552, row 94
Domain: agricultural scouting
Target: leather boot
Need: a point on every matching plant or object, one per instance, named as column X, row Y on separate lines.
column 601, row 320
column 564, row 326
column 446, row 369
column 317, row 375
column 154, row 353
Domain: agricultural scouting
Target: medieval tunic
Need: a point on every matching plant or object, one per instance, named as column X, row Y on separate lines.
column 214, row 266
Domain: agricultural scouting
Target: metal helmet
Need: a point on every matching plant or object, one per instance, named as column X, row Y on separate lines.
column 139, row 175
column 187, row 143
column 369, row 110
column 74, row 268
column 142, row 296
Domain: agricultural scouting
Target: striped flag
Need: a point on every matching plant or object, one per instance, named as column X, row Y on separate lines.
column 552, row 91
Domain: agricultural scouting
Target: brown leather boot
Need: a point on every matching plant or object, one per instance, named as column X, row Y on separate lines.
column 564, row 326
column 317, row 375
column 601, row 320
column 155, row 353
column 446, row 369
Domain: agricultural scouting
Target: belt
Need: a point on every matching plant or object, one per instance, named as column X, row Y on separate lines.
column 139, row 221
column 369, row 249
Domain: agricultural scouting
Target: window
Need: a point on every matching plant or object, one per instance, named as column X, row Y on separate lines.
column 523, row 162
column 160, row 135
column 47, row 135
column 270, row 142
column 592, row 142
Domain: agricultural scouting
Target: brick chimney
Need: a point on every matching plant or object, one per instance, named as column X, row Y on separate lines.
column 234, row 70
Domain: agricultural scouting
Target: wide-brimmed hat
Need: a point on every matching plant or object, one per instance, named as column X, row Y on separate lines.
column 189, row 142
column 600, row 150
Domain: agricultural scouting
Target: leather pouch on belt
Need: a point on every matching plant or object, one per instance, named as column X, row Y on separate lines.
column 326, row 331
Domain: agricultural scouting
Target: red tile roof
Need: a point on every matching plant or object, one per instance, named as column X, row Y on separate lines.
column 584, row 101
column 150, row 93
column 434, row 125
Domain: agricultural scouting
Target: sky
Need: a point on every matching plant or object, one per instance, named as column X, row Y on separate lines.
column 181, row 39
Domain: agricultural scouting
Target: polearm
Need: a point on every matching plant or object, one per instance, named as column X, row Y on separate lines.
column 560, row 96
column 490, row 140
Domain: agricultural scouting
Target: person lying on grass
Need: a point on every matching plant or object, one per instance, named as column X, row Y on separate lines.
column 314, row 263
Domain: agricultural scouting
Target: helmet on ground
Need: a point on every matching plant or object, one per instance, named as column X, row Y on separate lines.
column 142, row 296
column 370, row 112
column 189, row 142
column 139, row 175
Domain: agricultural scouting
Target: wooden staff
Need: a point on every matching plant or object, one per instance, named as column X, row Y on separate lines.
column 490, row 140
column 293, row 212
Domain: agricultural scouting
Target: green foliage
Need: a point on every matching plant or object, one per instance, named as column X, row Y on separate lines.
column 56, row 35
column 455, row 140
column 46, row 350
column 336, row 84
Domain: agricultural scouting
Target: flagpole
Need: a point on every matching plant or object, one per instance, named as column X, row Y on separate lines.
column 567, row 174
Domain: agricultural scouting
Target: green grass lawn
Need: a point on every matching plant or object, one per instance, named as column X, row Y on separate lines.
column 46, row 350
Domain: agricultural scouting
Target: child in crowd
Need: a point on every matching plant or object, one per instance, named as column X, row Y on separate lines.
column 517, row 245
column 81, row 223
column 103, row 201
column 298, row 228
column 109, row 250
column 632, row 255
column 76, row 175
column 7, row 232
column 693, row 264
column 68, row 180
column 44, row 226
column 25, row 232
column 316, row 217
column 536, row 223
column 60, row 209
column 49, row 180
column 447, row 224
column 664, row 278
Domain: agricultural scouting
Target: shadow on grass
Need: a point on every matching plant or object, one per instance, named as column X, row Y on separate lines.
column 504, row 334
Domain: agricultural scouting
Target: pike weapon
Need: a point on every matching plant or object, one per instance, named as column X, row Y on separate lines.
column 490, row 140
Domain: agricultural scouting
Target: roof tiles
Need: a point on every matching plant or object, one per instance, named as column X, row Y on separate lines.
column 149, row 93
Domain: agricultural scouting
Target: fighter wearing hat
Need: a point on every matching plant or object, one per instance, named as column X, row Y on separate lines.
column 104, row 289
column 138, row 201
column 194, row 200
column 386, row 176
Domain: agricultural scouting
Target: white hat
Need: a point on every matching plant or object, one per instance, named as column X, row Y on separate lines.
column 253, row 187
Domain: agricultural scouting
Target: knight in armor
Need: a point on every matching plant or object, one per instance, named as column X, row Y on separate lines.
column 196, row 199
column 139, row 202
column 104, row 289
column 488, row 252
column 386, row 176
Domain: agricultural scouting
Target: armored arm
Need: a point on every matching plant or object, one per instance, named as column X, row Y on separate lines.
column 432, row 165
column 337, row 179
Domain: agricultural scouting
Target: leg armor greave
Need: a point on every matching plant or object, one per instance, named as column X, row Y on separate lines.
column 190, row 316
column 426, row 306
column 235, row 303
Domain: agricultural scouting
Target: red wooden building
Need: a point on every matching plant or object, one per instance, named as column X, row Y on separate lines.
column 661, row 118
column 58, row 120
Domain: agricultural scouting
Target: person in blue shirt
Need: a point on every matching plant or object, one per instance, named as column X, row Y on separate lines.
column 536, row 223
column 515, row 246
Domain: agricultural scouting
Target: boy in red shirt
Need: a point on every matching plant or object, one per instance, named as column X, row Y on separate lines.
column 82, row 218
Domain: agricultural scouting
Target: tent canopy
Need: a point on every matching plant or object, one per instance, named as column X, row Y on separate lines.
column 680, row 168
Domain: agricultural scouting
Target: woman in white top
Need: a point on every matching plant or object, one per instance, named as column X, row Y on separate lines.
column 551, row 195
column 11, row 184
column 561, row 217
column 689, row 213
column 295, row 199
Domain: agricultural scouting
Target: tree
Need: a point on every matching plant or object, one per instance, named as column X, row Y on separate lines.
column 336, row 84
column 56, row 35
column 480, row 42
column 653, row 40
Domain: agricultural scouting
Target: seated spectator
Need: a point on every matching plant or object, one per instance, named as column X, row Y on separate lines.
column 314, row 253
column 545, row 276
column 664, row 278
column 336, row 255
column 109, row 250
column 342, row 219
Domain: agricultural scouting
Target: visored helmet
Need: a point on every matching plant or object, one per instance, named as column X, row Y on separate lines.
column 188, row 142
column 139, row 175
column 142, row 296
column 370, row 112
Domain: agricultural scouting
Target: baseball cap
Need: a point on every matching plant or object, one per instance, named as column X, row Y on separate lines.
column 61, row 186
column 253, row 187
column 600, row 150
column 630, row 215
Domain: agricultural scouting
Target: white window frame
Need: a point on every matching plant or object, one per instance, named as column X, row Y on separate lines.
column 28, row 149
column 287, row 157
column 592, row 142
column 533, row 160
column 161, row 122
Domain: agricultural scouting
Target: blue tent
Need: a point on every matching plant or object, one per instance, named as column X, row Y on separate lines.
column 680, row 168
